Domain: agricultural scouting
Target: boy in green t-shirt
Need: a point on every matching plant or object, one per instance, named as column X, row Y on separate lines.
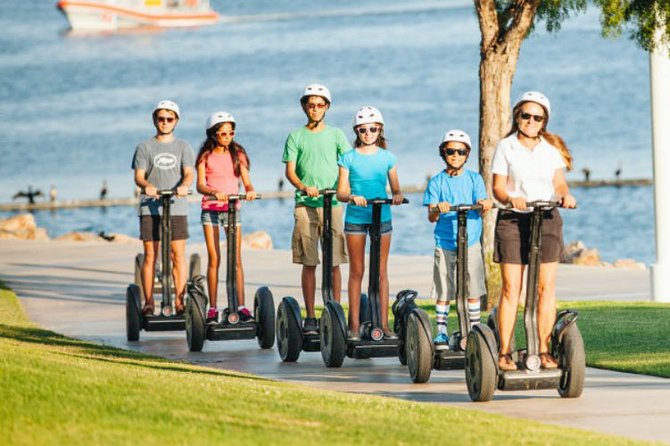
column 310, row 154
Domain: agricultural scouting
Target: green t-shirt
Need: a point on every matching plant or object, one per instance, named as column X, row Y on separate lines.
column 315, row 156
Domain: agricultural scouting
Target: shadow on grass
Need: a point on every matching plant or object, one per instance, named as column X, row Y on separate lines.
column 102, row 353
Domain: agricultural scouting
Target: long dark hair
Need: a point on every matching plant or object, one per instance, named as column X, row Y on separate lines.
column 551, row 138
column 237, row 152
column 381, row 141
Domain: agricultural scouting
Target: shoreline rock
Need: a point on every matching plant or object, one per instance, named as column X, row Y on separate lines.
column 21, row 227
column 577, row 253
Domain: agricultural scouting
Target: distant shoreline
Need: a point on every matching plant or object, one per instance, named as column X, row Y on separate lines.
column 288, row 194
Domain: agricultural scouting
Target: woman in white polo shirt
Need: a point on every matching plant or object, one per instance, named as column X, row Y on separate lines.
column 528, row 165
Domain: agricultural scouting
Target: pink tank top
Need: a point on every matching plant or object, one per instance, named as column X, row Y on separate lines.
column 220, row 176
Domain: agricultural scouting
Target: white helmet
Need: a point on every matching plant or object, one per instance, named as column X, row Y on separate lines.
column 457, row 136
column 316, row 90
column 219, row 117
column 167, row 105
column 368, row 115
column 537, row 97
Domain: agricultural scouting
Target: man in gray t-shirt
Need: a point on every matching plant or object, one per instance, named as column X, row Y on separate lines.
column 163, row 162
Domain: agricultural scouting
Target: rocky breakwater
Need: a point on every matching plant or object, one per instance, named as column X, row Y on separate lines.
column 576, row 253
column 22, row 227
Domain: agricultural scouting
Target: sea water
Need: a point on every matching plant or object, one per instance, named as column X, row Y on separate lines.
column 73, row 107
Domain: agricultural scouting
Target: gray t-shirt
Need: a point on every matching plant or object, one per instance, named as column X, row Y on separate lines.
column 164, row 164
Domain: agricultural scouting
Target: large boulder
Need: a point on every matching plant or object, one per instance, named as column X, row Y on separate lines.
column 23, row 227
column 629, row 263
column 577, row 253
column 257, row 240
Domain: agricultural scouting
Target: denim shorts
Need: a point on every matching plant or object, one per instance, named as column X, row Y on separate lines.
column 214, row 218
column 363, row 229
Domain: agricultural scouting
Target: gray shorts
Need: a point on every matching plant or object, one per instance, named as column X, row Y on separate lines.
column 444, row 274
column 214, row 218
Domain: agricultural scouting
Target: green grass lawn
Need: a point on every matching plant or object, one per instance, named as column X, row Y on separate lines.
column 57, row 390
column 626, row 336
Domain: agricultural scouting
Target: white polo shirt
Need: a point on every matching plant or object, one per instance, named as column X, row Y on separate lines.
column 530, row 172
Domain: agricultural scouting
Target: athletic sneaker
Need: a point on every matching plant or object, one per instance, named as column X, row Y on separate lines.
column 310, row 326
column 353, row 336
column 388, row 334
column 212, row 316
column 441, row 339
column 245, row 315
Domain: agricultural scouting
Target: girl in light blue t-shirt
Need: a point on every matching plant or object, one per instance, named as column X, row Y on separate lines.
column 364, row 173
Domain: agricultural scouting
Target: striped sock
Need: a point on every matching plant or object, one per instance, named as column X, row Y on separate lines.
column 441, row 313
column 474, row 312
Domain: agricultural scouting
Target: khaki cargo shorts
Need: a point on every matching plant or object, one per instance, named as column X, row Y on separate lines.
column 444, row 274
column 307, row 233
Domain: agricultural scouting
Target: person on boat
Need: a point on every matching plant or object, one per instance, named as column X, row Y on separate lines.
column 528, row 165
column 163, row 162
column 222, row 164
column 310, row 154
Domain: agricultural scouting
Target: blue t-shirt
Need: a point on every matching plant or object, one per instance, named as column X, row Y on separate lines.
column 466, row 188
column 368, row 175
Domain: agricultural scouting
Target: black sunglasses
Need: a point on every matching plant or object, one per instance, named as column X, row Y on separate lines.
column 363, row 130
column 461, row 152
column 165, row 119
column 536, row 118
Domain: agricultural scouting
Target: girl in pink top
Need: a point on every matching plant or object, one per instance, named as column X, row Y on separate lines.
column 221, row 164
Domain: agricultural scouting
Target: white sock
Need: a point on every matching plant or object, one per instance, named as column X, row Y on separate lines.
column 473, row 312
column 441, row 314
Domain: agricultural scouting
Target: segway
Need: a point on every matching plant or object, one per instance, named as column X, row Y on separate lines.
column 372, row 344
column 230, row 327
column 413, row 325
column 166, row 320
column 291, row 340
column 482, row 374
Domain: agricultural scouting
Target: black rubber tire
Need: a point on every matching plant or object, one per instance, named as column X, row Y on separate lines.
column 480, row 368
column 194, row 321
column 418, row 348
column 333, row 342
column 194, row 266
column 264, row 312
column 139, row 261
column 289, row 336
column 133, row 312
column 364, row 314
column 402, row 353
column 572, row 360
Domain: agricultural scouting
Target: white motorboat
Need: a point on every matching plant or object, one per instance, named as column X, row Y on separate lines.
column 98, row 15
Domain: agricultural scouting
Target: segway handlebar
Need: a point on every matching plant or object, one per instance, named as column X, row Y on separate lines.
column 166, row 192
column 321, row 192
column 458, row 207
column 543, row 204
column 231, row 197
column 385, row 201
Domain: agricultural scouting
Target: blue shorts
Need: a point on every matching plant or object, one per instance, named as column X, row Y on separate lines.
column 363, row 229
column 214, row 218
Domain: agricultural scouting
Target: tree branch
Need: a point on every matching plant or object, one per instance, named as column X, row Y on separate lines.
column 523, row 13
column 488, row 22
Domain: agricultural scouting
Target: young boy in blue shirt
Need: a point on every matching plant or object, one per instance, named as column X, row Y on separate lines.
column 453, row 186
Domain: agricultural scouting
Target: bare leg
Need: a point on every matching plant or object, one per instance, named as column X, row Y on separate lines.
column 356, row 247
column 309, row 288
column 213, row 261
column 546, row 306
column 179, row 271
column 512, row 278
column 148, row 270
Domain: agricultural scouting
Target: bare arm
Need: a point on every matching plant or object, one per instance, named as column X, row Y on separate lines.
column 246, row 181
column 562, row 190
column 395, row 186
column 187, row 180
column 144, row 184
column 292, row 177
column 500, row 193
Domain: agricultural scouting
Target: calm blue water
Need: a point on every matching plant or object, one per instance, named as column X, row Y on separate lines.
column 72, row 107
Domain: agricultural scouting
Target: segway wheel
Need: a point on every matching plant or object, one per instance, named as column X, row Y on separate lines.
column 418, row 348
column 364, row 314
column 480, row 368
column 572, row 361
column 194, row 321
column 402, row 353
column 194, row 267
column 139, row 261
column 133, row 312
column 492, row 323
column 289, row 337
column 333, row 344
column 264, row 312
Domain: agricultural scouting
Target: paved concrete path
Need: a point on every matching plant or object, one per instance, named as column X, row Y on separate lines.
column 78, row 289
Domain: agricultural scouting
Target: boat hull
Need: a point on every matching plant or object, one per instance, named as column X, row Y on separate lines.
column 101, row 16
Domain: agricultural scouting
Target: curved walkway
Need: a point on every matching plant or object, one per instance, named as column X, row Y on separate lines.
column 78, row 289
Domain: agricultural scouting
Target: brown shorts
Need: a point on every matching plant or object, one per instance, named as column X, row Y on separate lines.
column 512, row 237
column 307, row 233
column 150, row 228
